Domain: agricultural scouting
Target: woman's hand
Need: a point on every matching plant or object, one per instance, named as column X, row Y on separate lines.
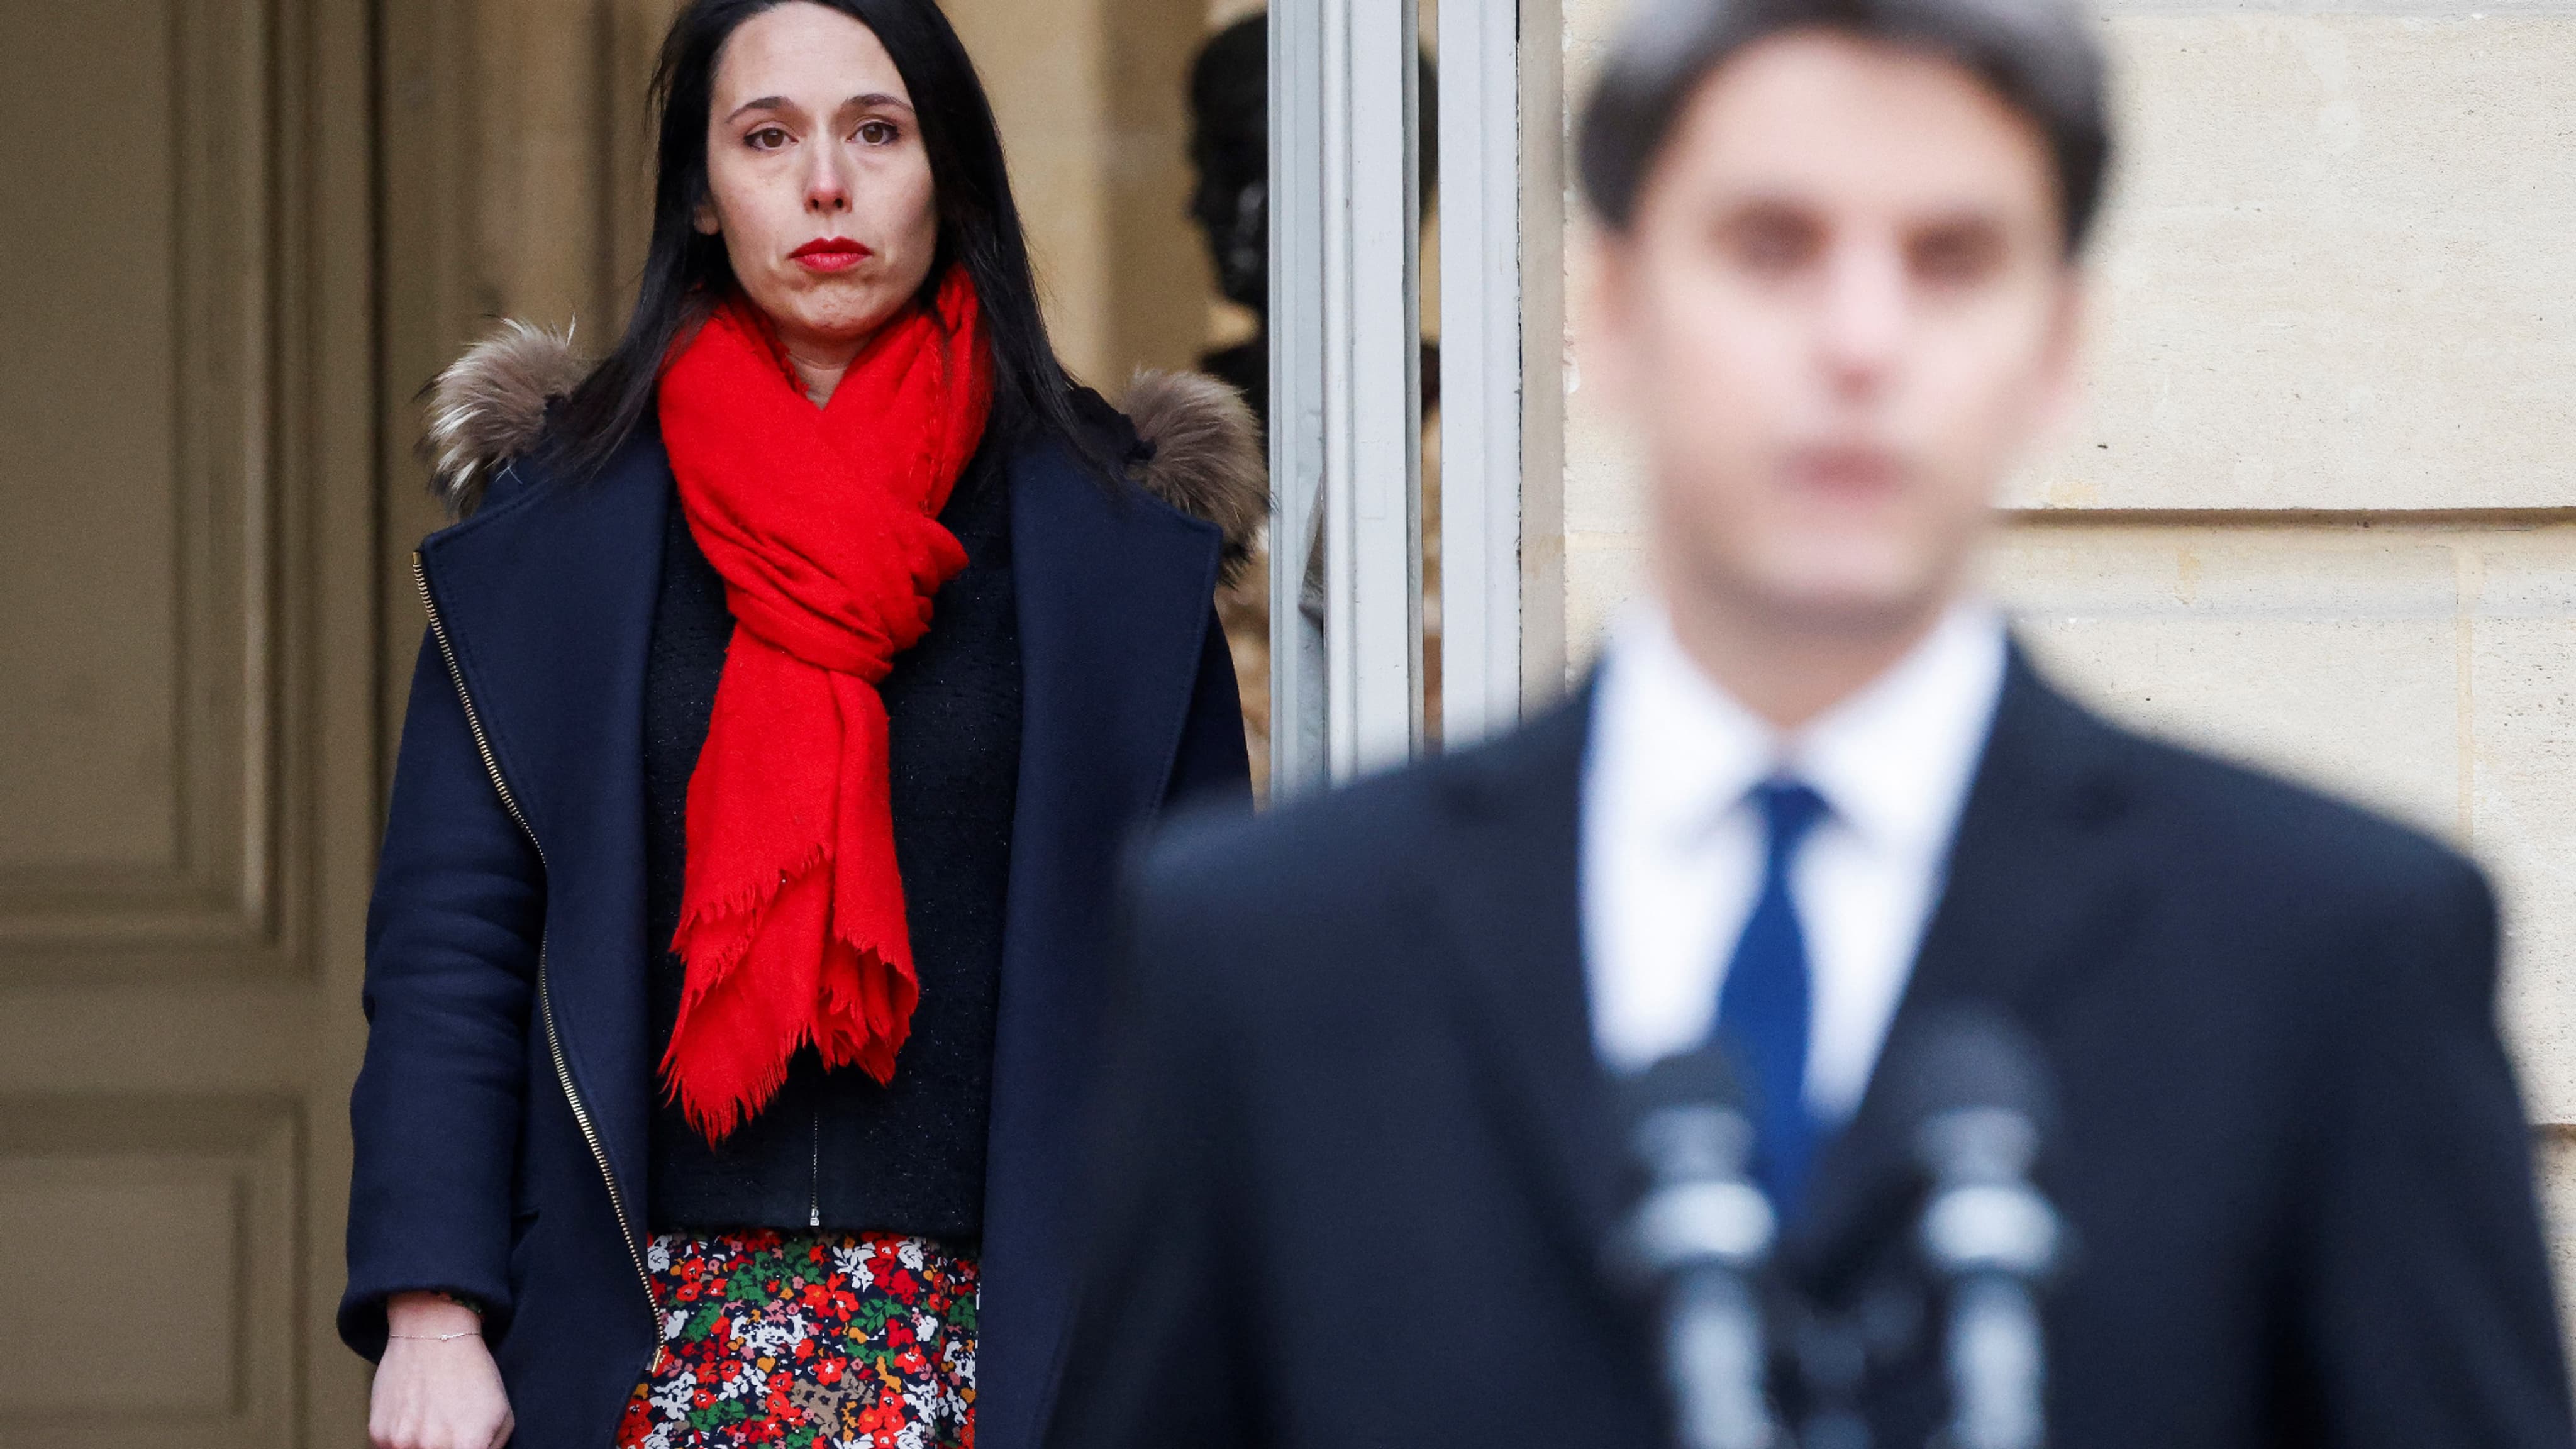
column 434, row 1394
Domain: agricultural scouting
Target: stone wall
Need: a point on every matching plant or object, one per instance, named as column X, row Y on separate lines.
column 2319, row 513
column 1092, row 103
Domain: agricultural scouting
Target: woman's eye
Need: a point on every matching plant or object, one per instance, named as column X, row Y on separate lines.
column 767, row 138
column 878, row 133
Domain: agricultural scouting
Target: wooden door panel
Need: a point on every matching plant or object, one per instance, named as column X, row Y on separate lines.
column 150, row 1243
column 187, row 406
column 135, row 409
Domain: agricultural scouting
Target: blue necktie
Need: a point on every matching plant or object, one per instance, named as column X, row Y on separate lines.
column 1764, row 1009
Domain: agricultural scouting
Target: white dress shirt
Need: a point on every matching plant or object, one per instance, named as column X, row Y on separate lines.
column 1672, row 849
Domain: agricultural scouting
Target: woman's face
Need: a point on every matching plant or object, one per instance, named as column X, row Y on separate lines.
column 817, row 178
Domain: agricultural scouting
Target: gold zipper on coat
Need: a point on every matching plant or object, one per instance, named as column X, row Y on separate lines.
column 545, row 998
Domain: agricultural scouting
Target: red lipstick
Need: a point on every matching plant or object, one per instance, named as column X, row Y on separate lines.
column 830, row 254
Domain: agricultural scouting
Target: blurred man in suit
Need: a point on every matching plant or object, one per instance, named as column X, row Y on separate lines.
column 1362, row 1158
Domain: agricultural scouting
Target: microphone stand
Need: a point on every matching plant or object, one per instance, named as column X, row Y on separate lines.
column 1703, row 1234
column 1993, row 1237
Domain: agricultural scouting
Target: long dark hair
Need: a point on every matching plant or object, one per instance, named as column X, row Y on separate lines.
column 686, row 272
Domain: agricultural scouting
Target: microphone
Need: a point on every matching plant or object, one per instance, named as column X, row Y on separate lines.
column 1701, row 1236
column 1983, row 1110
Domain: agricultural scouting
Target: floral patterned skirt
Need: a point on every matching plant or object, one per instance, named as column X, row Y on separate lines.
column 813, row 1341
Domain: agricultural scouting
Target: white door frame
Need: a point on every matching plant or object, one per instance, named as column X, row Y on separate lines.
column 1347, row 667
column 1481, row 369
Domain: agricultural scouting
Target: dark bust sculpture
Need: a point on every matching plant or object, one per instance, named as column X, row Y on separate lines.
column 1230, row 147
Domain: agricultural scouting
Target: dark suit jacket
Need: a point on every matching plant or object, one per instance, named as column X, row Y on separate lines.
column 1361, row 1164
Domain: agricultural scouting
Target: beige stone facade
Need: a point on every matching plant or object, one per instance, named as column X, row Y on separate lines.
column 2320, row 511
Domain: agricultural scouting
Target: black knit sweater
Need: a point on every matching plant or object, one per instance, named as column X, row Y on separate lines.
column 835, row 1149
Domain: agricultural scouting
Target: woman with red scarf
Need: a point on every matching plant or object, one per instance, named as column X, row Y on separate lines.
column 794, row 679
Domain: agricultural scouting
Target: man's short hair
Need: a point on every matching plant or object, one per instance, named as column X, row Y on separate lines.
column 2040, row 56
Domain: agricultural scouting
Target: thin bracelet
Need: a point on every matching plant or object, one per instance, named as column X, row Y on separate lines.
column 438, row 1337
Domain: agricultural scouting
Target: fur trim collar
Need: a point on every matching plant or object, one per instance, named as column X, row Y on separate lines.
column 489, row 406
column 1205, row 453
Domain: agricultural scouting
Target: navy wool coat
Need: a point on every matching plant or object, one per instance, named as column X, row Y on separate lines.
column 500, row 1117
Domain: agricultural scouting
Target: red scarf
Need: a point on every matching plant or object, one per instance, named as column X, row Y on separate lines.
column 824, row 524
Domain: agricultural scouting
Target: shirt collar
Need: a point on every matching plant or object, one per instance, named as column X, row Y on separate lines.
column 1894, row 762
column 1691, row 752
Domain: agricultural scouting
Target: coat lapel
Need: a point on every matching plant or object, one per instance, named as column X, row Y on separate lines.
column 1508, row 885
column 547, row 600
column 2034, row 899
column 1115, row 597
